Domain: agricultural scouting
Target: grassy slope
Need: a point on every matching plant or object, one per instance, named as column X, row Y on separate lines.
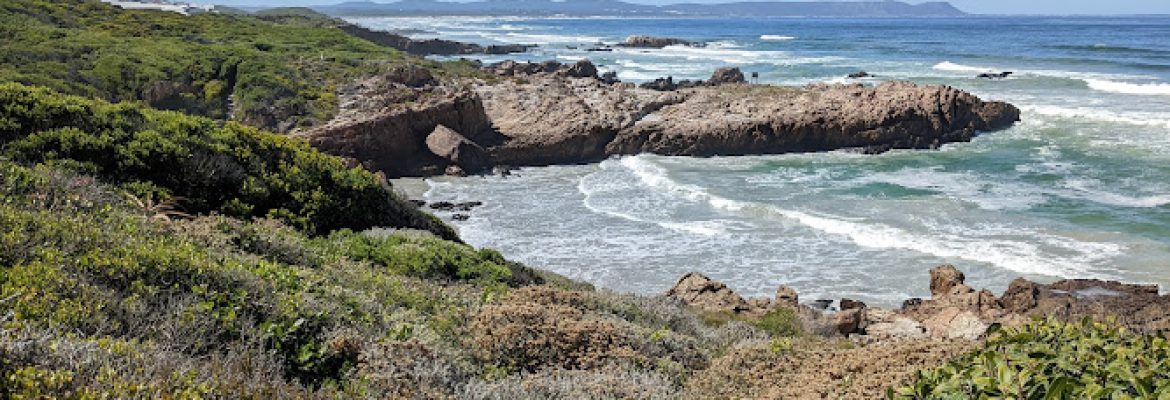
column 278, row 76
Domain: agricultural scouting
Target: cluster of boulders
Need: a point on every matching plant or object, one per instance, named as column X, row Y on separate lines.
column 579, row 69
column 653, row 42
column 954, row 311
column 721, row 76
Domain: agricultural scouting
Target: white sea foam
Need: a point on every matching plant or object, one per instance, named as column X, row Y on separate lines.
column 1101, row 115
column 1112, row 83
column 1085, row 189
column 950, row 66
column 716, row 54
column 1072, row 258
column 776, row 37
column 988, row 194
column 1148, row 89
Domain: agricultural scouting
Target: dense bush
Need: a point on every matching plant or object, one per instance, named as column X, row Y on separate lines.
column 138, row 305
column 1053, row 360
column 216, row 65
column 203, row 165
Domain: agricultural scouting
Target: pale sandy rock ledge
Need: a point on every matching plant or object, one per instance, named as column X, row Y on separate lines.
column 551, row 113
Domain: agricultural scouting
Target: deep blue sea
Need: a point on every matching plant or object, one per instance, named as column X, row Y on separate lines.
column 1079, row 188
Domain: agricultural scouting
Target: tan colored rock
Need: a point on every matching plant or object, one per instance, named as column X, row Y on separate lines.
column 848, row 322
column 888, row 324
column 582, row 69
column 850, row 304
column 699, row 291
column 946, row 280
column 411, row 75
column 460, row 151
column 955, row 323
column 726, row 75
column 787, row 296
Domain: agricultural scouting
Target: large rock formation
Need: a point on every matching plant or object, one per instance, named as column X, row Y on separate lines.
column 551, row 113
column 552, row 121
column 385, row 124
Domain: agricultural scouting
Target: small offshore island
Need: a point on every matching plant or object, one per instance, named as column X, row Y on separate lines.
column 198, row 206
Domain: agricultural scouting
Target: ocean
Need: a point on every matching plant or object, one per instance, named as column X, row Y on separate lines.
column 1079, row 189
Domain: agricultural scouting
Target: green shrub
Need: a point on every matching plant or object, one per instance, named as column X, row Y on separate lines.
column 1053, row 360
column 209, row 167
column 81, row 261
column 781, row 321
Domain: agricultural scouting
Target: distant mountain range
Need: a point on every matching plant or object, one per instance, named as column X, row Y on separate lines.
column 620, row 8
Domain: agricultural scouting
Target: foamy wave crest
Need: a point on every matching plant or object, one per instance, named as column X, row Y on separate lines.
column 593, row 188
column 731, row 55
column 1139, row 119
column 1021, row 256
column 1155, row 89
column 950, row 66
column 1084, row 189
column 776, row 37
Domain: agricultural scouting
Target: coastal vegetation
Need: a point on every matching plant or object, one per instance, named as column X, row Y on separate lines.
column 160, row 240
column 278, row 71
column 1053, row 360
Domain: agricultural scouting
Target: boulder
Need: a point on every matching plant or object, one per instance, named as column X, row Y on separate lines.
column 701, row 292
column 1020, row 296
column 582, row 69
column 859, row 75
column 610, row 78
column 726, row 75
column 945, row 279
column 848, row 322
column 850, row 304
column 411, row 75
column 642, row 41
column 786, row 296
column 458, row 150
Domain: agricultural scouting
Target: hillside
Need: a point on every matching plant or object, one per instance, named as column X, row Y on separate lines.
column 167, row 249
column 276, row 72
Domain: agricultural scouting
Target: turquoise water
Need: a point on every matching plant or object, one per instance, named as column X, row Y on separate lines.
column 1079, row 188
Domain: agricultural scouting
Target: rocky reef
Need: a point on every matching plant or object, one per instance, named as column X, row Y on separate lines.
column 954, row 310
column 552, row 113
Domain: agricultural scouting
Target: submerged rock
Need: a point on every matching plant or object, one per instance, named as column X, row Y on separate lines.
column 642, row 41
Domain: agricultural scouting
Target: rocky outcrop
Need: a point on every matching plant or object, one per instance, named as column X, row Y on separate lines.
column 726, row 75
column 954, row 311
column 652, row 42
column 551, row 113
column 767, row 119
column 385, row 125
column 706, row 294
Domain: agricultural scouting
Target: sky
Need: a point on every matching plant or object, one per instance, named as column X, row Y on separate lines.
column 1049, row 7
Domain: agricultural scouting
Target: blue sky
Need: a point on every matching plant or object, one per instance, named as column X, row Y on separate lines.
column 973, row 6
